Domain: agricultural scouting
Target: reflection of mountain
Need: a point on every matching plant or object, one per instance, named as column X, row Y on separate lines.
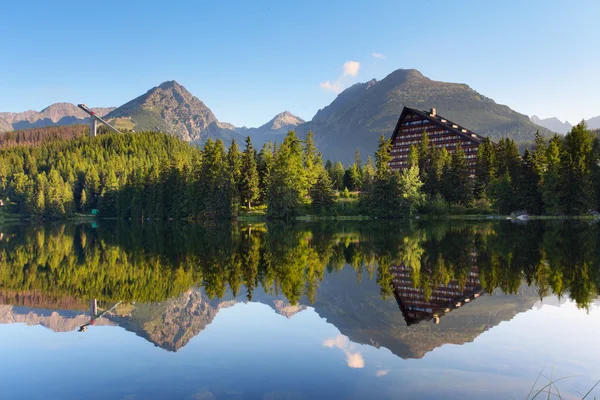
column 58, row 321
column 357, row 310
column 359, row 313
column 171, row 324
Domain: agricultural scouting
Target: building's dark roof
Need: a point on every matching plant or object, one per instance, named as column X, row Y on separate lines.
column 437, row 119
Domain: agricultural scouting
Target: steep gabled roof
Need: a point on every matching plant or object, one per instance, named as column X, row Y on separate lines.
column 440, row 121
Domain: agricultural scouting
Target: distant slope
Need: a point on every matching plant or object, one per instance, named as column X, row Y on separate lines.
column 273, row 130
column 361, row 113
column 171, row 109
column 553, row 124
column 57, row 114
column 556, row 125
column 594, row 123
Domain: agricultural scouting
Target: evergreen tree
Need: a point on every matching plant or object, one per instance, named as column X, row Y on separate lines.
column 413, row 157
column 312, row 161
column 485, row 168
column 336, row 174
column 249, row 183
column 382, row 159
column 322, row 194
column 457, row 183
column 83, row 201
column 266, row 159
column 549, row 186
column 288, row 179
column 530, row 197
column 577, row 188
column 540, row 159
column 368, row 175
column 352, row 178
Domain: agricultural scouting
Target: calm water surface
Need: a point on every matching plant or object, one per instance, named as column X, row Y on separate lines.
column 311, row 311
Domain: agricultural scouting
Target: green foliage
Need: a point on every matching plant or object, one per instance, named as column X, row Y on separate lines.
column 249, row 181
column 410, row 189
column 322, row 194
column 288, row 180
column 336, row 175
column 153, row 261
column 457, row 185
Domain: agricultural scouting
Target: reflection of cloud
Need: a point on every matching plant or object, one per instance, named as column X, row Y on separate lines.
column 350, row 68
column 353, row 358
column 382, row 372
column 204, row 395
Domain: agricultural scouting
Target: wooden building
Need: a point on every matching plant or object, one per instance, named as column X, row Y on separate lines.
column 417, row 306
column 441, row 132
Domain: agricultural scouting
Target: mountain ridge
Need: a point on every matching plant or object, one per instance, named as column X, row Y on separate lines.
column 360, row 114
column 56, row 114
column 171, row 108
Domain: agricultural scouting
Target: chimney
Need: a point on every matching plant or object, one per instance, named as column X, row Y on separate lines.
column 433, row 112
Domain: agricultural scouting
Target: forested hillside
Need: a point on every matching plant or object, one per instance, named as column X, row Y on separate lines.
column 38, row 135
column 154, row 175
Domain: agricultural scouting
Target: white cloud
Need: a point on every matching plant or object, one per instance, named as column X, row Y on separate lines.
column 382, row 372
column 353, row 358
column 333, row 87
column 351, row 68
column 377, row 55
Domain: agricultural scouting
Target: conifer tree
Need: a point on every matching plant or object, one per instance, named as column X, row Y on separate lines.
column 336, row 174
column 485, row 170
column 322, row 194
column 368, row 175
column 382, row 159
column 577, row 188
column 457, row 183
column 312, row 161
column 288, row 179
column 249, row 182
column 549, row 186
column 266, row 159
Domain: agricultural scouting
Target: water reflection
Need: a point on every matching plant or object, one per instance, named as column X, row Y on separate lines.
column 95, row 315
column 166, row 283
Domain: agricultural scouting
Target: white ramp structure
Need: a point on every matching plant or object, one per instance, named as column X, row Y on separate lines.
column 94, row 120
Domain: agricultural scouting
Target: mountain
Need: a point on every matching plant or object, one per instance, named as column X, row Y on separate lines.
column 361, row 113
column 357, row 311
column 273, row 130
column 170, row 108
column 556, row 125
column 594, row 123
column 553, row 123
column 55, row 114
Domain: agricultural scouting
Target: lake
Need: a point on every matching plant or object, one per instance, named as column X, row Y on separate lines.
column 323, row 310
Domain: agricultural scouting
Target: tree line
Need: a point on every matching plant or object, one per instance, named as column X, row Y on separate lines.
column 154, row 261
column 152, row 175
column 560, row 176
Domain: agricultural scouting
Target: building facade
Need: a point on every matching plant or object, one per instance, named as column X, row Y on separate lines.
column 418, row 304
column 441, row 132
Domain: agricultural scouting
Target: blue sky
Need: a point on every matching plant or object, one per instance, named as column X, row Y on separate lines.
column 248, row 60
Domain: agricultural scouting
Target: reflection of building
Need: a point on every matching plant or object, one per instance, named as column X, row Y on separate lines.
column 441, row 300
column 440, row 132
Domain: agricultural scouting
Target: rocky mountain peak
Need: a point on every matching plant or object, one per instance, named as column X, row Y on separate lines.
column 171, row 108
column 282, row 120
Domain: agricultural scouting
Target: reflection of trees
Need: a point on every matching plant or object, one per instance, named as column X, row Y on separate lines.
column 155, row 261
